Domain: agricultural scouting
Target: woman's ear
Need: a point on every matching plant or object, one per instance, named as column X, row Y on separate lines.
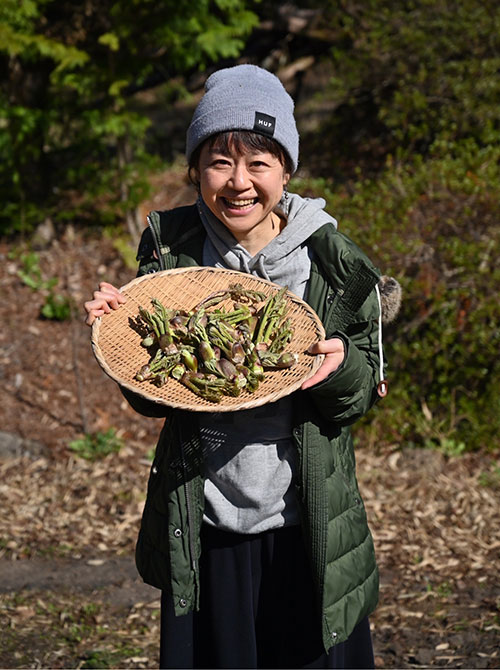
column 194, row 177
column 286, row 179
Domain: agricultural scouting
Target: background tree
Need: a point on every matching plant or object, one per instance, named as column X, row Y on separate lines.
column 407, row 78
column 69, row 70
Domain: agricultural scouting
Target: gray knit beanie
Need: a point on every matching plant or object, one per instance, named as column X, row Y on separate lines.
column 245, row 97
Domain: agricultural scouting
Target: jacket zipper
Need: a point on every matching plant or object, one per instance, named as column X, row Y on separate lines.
column 300, row 434
column 189, row 509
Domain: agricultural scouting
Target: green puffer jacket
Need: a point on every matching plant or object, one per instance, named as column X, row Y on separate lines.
column 341, row 291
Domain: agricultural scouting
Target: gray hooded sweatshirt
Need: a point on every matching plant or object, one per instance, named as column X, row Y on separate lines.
column 249, row 455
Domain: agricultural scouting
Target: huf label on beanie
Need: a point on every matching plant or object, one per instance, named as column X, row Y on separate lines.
column 264, row 123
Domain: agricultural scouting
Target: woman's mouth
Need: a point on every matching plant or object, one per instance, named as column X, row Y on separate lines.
column 240, row 204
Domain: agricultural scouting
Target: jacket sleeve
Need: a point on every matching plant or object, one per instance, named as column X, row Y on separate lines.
column 143, row 406
column 349, row 392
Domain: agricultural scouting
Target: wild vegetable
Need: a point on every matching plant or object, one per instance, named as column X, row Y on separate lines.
column 213, row 351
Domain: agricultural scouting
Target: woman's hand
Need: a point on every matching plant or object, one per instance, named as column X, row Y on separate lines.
column 334, row 355
column 105, row 299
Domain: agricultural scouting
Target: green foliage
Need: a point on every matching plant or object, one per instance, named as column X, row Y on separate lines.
column 433, row 224
column 123, row 245
column 444, row 590
column 31, row 274
column 98, row 658
column 105, row 658
column 405, row 74
column 94, row 446
column 73, row 140
column 56, row 306
column 491, row 478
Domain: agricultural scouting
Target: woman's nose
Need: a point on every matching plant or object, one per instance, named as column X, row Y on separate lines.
column 240, row 178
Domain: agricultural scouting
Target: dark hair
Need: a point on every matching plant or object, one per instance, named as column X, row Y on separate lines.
column 241, row 141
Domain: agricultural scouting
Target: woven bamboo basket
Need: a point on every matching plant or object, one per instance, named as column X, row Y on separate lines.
column 116, row 345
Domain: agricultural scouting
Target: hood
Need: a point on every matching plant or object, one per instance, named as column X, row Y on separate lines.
column 285, row 260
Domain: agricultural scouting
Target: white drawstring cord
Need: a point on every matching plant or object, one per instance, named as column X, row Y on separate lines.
column 382, row 385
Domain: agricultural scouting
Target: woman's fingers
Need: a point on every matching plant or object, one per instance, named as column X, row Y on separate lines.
column 335, row 345
column 107, row 298
column 109, row 288
column 110, row 293
column 114, row 300
column 92, row 315
column 334, row 355
column 94, row 309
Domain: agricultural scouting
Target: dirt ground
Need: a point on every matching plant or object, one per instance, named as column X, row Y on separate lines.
column 69, row 593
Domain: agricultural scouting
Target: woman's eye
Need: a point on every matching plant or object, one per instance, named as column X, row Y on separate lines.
column 220, row 161
column 264, row 161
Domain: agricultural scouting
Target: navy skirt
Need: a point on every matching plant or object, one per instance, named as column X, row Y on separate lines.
column 257, row 610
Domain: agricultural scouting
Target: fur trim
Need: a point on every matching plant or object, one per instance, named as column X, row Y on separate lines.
column 390, row 297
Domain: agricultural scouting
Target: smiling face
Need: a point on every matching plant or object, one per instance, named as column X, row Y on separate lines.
column 242, row 185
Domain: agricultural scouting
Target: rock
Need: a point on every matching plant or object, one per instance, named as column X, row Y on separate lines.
column 422, row 461
column 14, row 446
column 43, row 235
column 425, row 656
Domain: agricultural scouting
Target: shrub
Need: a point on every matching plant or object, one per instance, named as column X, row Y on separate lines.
column 434, row 226
column 405, row 74
column 94, row 446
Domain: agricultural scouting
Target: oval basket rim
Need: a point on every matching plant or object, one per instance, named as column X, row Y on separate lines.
column 198, row 405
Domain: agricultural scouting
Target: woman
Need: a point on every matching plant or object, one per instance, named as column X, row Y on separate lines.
column 254, row 528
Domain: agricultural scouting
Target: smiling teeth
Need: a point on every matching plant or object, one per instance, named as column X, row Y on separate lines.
column 241, row 203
